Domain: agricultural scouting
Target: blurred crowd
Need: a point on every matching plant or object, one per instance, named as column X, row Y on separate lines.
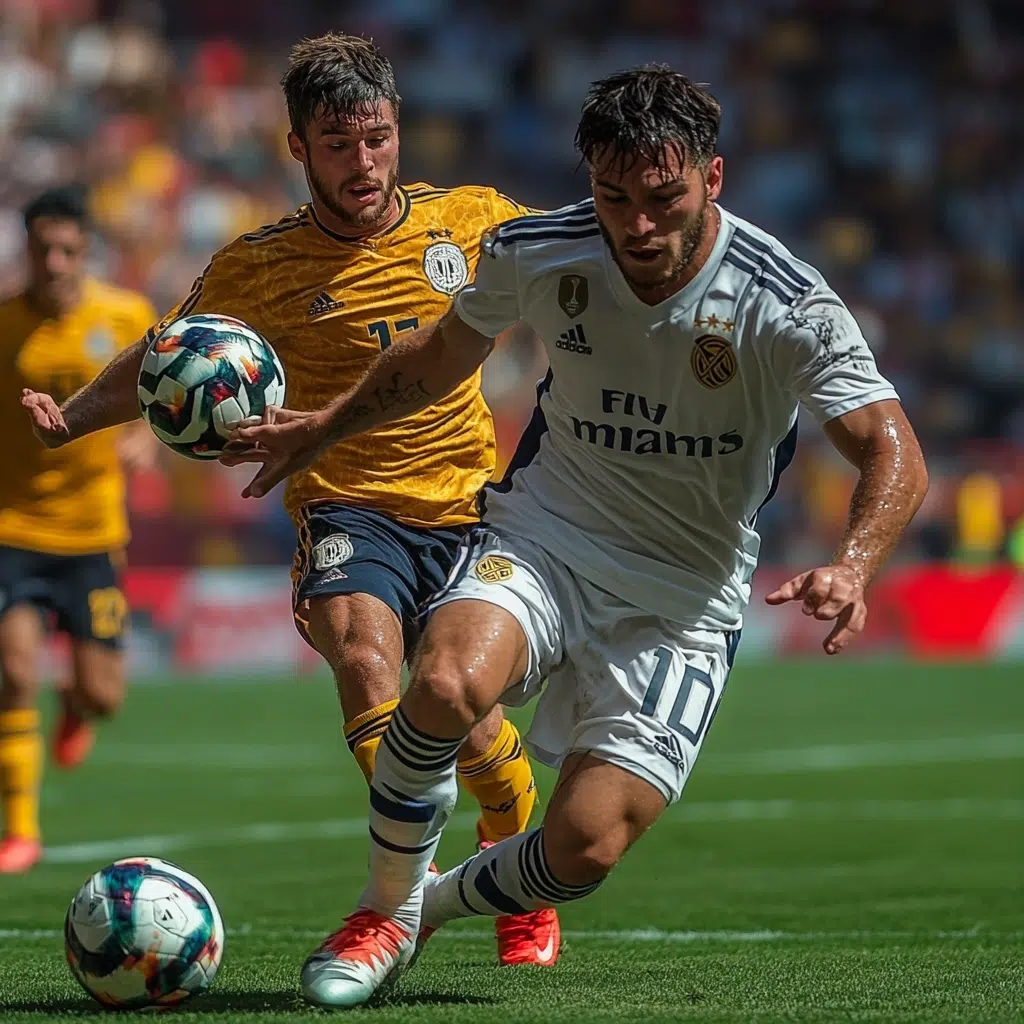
column 881, row 141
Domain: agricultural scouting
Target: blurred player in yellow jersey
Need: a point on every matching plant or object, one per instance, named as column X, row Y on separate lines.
column 379, row 518
column 62, row 517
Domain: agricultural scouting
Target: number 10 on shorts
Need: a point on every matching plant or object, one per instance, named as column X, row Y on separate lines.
column 692, row 707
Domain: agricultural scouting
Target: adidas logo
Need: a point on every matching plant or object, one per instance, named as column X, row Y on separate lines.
column 574, row 340
column 323, row 304
column 671, row 749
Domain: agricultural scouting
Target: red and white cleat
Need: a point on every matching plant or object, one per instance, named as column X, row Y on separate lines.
column 18, row 855
column 354, row 962
column 534, row 938
column 72, row 740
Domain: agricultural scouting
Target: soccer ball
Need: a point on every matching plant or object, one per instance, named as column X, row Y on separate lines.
column 142, row 932
column 203, row 375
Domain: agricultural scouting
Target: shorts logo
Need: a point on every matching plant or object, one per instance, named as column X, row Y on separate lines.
column 713, row 361
column 494, row 569
column 332, row 551
column 331, row 575
column 573, row 294
column 671, row 749
column 446, row 268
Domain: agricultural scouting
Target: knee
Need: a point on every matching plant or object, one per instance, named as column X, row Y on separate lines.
column 18, row 678
column 443, row 693
column 366, row 672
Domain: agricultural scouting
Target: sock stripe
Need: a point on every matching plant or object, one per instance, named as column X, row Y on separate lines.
column 418, row 738
column 368, row 731
column 530, row 875
column 545, row 869
column 11, row 734
column 404, row 808
column 410, row 851
column 462, row 889
column 486, row 883
column 493, row 763
column 412, row 761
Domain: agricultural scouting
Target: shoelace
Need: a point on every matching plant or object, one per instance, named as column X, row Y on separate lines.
column 360, row 931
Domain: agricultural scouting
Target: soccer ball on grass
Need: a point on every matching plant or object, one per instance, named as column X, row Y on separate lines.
column 142, row 932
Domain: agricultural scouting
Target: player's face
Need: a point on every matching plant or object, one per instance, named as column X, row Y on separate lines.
column 655, row 218
column 56, row 256
column 352, row 167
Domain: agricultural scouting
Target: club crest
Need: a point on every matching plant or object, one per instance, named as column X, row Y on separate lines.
column 445, row 266
column 573, row 294
column 713, row 361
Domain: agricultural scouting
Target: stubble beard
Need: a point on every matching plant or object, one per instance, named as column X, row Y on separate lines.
column 368, row 218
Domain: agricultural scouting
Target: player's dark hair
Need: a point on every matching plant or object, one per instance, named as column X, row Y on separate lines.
column 637, row 113
column 65, row 203
column 339, row 76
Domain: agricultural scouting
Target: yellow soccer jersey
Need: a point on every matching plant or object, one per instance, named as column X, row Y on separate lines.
column 329, row 305
column 69, row 501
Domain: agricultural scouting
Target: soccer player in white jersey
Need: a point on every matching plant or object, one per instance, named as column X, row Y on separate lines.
column 617, row 554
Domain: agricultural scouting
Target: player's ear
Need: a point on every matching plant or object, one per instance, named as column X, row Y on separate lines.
column 296, row 147
column 713, row 178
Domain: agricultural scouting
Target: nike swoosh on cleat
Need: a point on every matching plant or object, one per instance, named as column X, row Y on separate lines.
column 545, row 954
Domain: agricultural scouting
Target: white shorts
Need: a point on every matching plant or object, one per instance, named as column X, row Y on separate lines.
column 628, row 687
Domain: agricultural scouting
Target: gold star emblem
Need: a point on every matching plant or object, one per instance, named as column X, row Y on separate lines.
column 713, row 320
column 728, row 325
column 699, row 322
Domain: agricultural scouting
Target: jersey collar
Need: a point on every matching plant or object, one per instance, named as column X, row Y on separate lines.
column 404, row 206
column 682, row 300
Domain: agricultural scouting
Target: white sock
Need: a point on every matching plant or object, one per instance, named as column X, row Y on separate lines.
column 510, row 877
column 412, row 794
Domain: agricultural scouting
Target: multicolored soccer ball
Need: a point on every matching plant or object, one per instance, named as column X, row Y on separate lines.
column 203, row 375
column 142, row 932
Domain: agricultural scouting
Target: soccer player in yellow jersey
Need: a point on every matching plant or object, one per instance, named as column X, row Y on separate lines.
column 62, row 515
column 379, row 519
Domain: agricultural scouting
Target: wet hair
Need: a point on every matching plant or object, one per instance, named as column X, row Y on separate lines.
column 65, row 203
column 336, row 75
column 637, row 114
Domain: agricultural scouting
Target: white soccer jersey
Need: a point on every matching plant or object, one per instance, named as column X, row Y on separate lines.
column 661, row 431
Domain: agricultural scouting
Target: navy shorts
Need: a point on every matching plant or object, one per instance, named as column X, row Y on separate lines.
column 82, row 592
column 348, row 550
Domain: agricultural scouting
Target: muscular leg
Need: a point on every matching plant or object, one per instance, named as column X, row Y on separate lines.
column 361, row 639
column 98, row 685
column 597, row 812
column 470, row 652
column 21, row 746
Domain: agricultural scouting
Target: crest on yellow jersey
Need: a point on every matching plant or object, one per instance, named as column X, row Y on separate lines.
column 445, row 266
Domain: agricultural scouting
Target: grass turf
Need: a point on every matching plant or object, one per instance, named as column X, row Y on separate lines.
column 849, row 848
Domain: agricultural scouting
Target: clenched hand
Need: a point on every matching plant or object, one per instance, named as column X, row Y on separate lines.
column 47, row 421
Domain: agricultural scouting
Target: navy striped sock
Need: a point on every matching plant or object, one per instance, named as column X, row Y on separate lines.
column 412, row 795
column 510, row 877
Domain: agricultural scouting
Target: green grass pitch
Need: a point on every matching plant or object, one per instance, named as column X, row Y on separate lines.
column 850, row 848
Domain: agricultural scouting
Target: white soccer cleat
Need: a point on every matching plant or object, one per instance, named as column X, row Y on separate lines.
column 356, row 960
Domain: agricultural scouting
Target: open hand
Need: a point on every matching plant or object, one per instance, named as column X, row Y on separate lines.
column 832, row 592
column 284, row 440
column 47, row 422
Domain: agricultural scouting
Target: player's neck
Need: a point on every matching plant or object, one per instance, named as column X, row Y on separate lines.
column 346, row 230
column 660, row 292
column 37, row 299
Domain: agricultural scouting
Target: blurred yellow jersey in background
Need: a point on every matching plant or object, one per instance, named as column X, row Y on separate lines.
column 329, row 305
column 69, row 501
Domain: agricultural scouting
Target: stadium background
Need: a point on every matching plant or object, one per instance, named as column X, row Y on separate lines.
column 882, row 142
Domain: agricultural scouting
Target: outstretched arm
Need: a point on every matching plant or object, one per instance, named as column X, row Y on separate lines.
column 107, row 400
column 893, row 481
column 409, row 375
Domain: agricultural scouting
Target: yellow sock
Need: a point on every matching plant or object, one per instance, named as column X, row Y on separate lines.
column 21, row 770
column 363, row 734
column 501, row 779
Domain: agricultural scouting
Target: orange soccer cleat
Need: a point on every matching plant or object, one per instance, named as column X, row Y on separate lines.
column 18, row 855
column 533, row 938
column 72, row 740
column 356, row 960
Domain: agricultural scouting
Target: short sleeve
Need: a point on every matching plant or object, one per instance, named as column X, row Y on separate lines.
column 490, row 303
column 505, row 208
column 821, row 358
column 221, row 288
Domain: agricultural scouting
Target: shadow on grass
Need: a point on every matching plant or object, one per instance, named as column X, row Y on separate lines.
column 213, row 1002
